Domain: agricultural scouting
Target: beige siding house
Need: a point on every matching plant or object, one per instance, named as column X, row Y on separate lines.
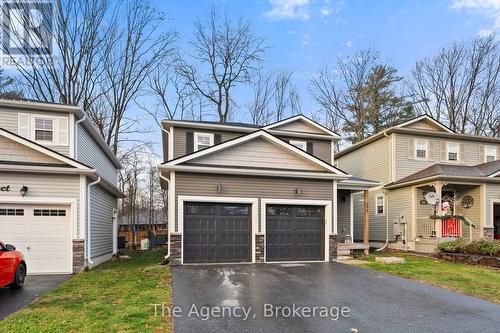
column 244, row 193
column 414, row 159
column 58, row 187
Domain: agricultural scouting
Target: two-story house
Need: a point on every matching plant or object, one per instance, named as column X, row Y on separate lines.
column 244, row 193
column 58, row 187
column 435, row 184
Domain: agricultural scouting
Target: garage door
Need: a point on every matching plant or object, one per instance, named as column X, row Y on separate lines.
column 295, row 233
column 216, row 233
column 41, row 233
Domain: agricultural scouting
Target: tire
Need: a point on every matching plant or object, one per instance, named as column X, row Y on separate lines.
column 19, row 277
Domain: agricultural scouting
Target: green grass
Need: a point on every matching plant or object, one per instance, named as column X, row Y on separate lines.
column 475, row 281
column 113, row 297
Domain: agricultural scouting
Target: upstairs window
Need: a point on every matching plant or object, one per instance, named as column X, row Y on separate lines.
column 380, row 205
column 203, row 140
column 490, row 153
column 44, row 129
column 299, row 144
column 421, row 149
column 452, row 151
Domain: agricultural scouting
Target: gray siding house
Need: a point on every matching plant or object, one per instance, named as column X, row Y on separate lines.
column 58, row 187
column 244, row 193
column 416, row 158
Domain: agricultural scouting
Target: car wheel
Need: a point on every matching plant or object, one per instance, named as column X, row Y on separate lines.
column 19, row 277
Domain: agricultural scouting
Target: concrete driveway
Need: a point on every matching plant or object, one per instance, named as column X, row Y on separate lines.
column 376, row 302
column 12, row 300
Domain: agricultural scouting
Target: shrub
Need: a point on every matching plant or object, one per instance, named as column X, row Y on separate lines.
column 483, row 247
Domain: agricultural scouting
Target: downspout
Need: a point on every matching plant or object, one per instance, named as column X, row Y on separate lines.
column 89, row 219
column 386, row 202
column 76, row 135
column 168, row 234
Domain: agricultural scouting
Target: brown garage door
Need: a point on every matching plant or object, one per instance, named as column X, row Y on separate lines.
column 295, row 233
column 216, row 232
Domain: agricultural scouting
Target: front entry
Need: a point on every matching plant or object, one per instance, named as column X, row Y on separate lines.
column 295, row 233
column 217, row 232
column 496, row 220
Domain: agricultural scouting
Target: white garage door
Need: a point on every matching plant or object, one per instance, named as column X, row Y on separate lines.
column 42, row 233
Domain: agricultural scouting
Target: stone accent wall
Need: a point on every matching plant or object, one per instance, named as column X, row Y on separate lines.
column 333, row 241
column 175, row 249
column 259, row 248
column 488, row 233
column 78, row 255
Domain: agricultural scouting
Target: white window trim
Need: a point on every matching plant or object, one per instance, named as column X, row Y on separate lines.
column 383, row 204
column 486, row 153
column 448, row 151
column 33, row 128
column 426, row 150
column 198, row 134
column 299, row 142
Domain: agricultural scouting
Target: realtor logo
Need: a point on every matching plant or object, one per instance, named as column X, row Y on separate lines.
column 27, row 30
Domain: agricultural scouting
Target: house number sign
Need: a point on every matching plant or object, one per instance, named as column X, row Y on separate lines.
column 5, row 188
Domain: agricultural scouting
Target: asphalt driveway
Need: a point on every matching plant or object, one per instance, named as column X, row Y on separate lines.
column 376, row 302
column 12, row 300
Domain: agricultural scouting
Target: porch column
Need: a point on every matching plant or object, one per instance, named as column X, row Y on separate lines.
column 366, row 226
column 438, row 223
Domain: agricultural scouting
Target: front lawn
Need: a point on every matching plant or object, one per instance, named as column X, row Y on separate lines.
column 475, row 281
column 113, row 297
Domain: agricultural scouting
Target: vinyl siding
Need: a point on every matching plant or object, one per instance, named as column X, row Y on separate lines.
column 492, row 191
column 90, row 153
column 425, row 125
column 9, row 121
column 180, row 138
column 344, row 216
column 372, row 161
column 322, row 149
column 473, row 213
column 13, row 151
column 101, row 205
column 43, row 186
column 377, row 223
column 250, row 187
column 399, row 203
column 299, row 126
column 258, row 153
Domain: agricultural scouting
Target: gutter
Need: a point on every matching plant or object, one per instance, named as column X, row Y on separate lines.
column 168, row 182
column 89, row 219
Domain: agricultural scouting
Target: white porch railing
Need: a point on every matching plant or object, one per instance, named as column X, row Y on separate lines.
column 426, row 227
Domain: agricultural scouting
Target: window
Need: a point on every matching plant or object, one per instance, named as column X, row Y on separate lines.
column 490, row 153
column 11, row 212
column 421, row 149
column 49, row 212
column 452, row 151
column 44, row 129
column 299, row 144
column 380, row 205
column 203, row 140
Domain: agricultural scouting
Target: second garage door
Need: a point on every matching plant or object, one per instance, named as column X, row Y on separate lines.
column 216, row 232
column 295, row 233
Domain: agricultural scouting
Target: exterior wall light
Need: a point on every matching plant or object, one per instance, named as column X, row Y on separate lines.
column 219, row 188
column 298, row 191
column 24, row 190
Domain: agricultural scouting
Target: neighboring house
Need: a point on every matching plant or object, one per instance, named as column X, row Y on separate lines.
column 243, row 193
column 141, row 226
column 58, row 187
column 418, row 157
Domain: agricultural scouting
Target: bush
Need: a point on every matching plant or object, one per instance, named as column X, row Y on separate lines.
column 483, row 247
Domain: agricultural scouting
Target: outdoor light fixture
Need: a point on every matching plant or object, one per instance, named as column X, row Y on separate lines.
column 219, row 188
column 24, row 190
column 297, row 191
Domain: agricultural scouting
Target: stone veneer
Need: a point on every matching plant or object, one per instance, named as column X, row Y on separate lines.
column 78, row 255
column 488, row 233
column 333, row 241
column 175, row 249
column 259, row 248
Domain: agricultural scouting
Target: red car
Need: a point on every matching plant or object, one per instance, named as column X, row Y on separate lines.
column 12, row 267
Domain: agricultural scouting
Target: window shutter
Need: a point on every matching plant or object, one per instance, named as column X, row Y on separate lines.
column 461, row 152
column 189, row 142
column 61, row 131
column 217, row 139
column 24, row 125
column 443, row 152
column 411, row 149
column 310, row 147
column 482, row 156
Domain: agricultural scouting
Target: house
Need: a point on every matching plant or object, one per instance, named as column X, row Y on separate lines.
column 58, row 187
column 244, row 193
column 419, row 157
column 133, row 228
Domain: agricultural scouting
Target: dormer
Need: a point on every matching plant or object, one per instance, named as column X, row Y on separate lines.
column 425, row 123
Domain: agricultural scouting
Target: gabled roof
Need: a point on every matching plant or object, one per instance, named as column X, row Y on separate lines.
column 304, row 119
column 484, row 170
column 44, row 150
column 423, row 118
column 184, row 160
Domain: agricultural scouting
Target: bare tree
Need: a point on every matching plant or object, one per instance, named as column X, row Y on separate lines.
column 263, row 93
column 286, row 95
column 9, row 87
column 223, row 56
column 460, row 86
